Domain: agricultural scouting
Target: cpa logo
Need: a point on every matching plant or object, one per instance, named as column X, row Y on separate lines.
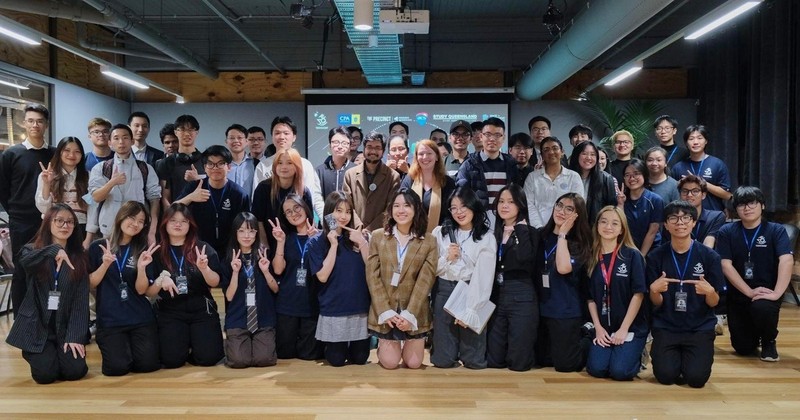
column 761, row 241
column 322, row 120
column 622, row 269
column 422, row 118
column 698, row 268
column 344, row 119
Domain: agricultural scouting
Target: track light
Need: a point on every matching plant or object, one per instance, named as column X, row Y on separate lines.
column 363, row 15
column 15, row 83
column 19, row 32
column 125, row 76
column 719, row 17
column 623, row 73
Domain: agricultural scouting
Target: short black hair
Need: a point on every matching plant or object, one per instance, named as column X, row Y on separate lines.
column 679, row 206
column 122, row 127
column 476, row 126
column 520, row 138
column 494, row 121
column 539, row 118
column 217, row 150
column 339, row 130
column 256, row 129
column 187, row 121
column 700, row 128
column 437, row 130
column 672, row 121
column 446, row 145
column 283, row 120
column 375, row 136
column 167, row 130
column 238, row 127
column 747, row 194
column 405, row 127
column 552, row 139
column 41, row 109
column 352, row 129
column 139, row 114
column 579, row 129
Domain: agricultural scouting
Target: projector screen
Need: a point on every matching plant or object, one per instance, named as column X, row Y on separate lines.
column 420, row 119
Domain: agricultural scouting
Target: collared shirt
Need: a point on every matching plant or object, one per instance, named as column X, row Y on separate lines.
column 542, row 192
column 242, row 173
column 135, row 188
column 69, row 196
column 138, row 153
column 28, row 145
column 451, row 165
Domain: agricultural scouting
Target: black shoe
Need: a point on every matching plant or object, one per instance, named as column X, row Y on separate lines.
column 769, row 353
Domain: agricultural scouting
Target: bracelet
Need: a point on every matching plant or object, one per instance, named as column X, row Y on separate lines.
column 562, row 236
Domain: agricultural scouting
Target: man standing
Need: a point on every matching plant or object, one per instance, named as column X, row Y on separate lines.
column 477, row 139
column 99, row 133
column 284, row 134
column 757, row 261
column 460, row 136
column 623, row 148
column 185, row 165
column 256, row 142
column 168, row 140
column 577, row 135
column 371, row 183
column 438, row 136
column 544, row 185
column 331, row 172
column 398, row 129
column 520, row 147
column 666, row 127
column 539, row 128
column 139, row 123
column 20, row 166
column 488, row 171
column 241, row 168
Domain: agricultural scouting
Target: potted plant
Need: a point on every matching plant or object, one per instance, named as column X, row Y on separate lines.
column 635, row 116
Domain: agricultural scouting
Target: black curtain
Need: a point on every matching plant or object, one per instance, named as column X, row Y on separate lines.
column 749, row 96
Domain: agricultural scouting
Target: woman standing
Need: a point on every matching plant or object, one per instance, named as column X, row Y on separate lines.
column 660, row 183
column 400, row 272
column 65, row 180
column 338, row 259
column 50, row 326
column 643, row 208
column 566, row 239
column 428, row 179
column 249, row 298
column 513, row 327
column 127, row 334
column 616, row 291
column 188, row 321
column 598, row 186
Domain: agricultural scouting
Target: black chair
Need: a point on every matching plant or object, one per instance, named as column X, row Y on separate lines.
column 792, row 231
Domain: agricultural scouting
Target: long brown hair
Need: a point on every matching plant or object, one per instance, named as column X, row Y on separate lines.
column 579, row 237
column 188, row 244
column 58, row 184
column 420, row 220
column 415, row 171
column 139, row 242
column 297, row 184
column 74, row 248
column 624, row 238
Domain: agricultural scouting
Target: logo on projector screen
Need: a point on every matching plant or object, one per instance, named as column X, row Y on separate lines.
column 322, row 120
column 348, row 119
column 422, row 118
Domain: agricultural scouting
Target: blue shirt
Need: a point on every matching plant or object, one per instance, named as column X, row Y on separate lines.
column 92, row 160
column 243, row 173
column 708, row 224
column 698, row 316
column 713, row 170
column 236, row 308
column 215, row 217
column 199, row 292
column 345, row 292
column 647, row 209
column 562, row 299
column 112, row 311
column 294, row 300
column 627, row 279
column 265, row 208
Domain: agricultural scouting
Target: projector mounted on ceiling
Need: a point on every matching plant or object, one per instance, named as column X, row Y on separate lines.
column 404, row 21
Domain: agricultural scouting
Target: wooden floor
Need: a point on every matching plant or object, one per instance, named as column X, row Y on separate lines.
column 739, row 388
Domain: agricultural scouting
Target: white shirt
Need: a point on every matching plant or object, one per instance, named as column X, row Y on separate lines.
column 310, row 181
column 28, row 145
column 69, row 196
column 138, row 153
column 542, row 193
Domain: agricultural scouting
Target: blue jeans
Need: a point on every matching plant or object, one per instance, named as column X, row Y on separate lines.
column 620, row 363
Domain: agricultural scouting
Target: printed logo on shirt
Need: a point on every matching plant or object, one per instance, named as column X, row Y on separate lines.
column 761, row 242
column 226, row 204
column 622, row 270
column 131, row 262
column 698, row 269
column 707, row 173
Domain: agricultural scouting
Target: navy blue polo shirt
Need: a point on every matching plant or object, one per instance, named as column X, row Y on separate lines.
column 713, row 170
column 214, row 218
column 647, row 209
column 562, row 299
column 112, row 311
column 197, row 286
column 708, row 224
column 627, row 278
column 769, row 243
column 294, row 300
column 346, row 292
column 236, row 308
column 698, row 316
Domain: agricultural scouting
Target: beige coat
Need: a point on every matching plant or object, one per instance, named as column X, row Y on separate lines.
column 370, row 206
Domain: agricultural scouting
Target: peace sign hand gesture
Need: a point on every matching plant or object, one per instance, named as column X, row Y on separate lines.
column 620, row 194
column 47, row 173
column 146, row 257
column 236, row 263
column 263, row 262
column 311, row 230
column 202, row 258
column 108, row 256
column 277, row 231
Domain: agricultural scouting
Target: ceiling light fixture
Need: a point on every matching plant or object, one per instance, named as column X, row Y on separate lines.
column 719, row 17
column 623, row 73
column 363, row 15
column 125, row 76
column 180, row 100
column 19, row 32
column 15, row 83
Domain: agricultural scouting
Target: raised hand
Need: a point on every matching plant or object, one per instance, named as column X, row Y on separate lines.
column 117, row 177
column 333, row 238
column 569, row 222
column 169, row 285
column 356, row 236
column 202, row 258
column 236, row 263
column 620, row 194
column 146, row 257
column 311, row 230
column 263, row 261
column 200, row 195
column 402, row 165
column 108, row 256
column 701, row 287
column 191, row 174
column 62, row 257
column 47, row 173
column 277, row 231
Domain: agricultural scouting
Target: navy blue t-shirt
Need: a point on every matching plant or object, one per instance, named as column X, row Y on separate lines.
column 562, row 299
column 112, row 311
column 345, row 292
column 627, row 278
column 236, row 309
column 703, row 261
column 647, row 209
column 214, row 218
column 708, row 224
column 197, row 286
column 713, row 170
column 769, row 242
column 294, row 300
column 265, row 209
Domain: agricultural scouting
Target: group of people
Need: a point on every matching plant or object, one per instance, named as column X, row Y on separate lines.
column 496, row 260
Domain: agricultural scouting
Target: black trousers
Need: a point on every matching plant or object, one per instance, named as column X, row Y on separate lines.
column 53, row 364
column 562, row 344
column 354, row 352
column 295, row 338
column 513, row 327
column 751, row 322
column 21, row 231
column 190, row 332
column 683, row 357
column 129, row 349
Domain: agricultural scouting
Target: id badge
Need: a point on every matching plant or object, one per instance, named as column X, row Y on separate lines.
column 182, row 284
column 604, row 308
column 546, row 280
column 499, row 279
column 395, row 278
column 53, row 297
column 301, row 277
column 748, row 270
column 250, row 295
column 123, row 292
column 680, row 301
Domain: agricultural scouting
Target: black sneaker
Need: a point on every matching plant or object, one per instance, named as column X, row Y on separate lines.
column 769, row 353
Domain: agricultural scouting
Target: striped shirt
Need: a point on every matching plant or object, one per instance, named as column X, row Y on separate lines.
column 495, row 174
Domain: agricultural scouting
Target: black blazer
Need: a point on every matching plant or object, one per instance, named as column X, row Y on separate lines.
column 30, row 329
column 152, row 155
column 520, row 254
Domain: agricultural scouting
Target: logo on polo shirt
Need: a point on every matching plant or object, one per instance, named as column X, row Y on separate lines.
column 622, row 270
column 698, row 269
column 761, row 241
column 226, row 204
column 707, row 172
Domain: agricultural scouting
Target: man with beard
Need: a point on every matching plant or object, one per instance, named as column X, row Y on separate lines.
column 371, row 183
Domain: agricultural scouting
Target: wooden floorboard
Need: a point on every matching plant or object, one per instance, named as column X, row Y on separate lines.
column 739, row 388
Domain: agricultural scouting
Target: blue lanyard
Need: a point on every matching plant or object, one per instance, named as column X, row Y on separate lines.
column 121, row 267
column 401, row 252
column 548, row 254
column 248, row 269
column 55, row 276
column 672, row 154
column 180, row 263
column 214, row 203
column 681, row 273
column 302, row 249
column 700, row 168
column 749, row 243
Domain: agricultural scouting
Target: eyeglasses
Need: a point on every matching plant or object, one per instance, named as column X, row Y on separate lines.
column 457, row 210
column 340, row 143
column 751, row 205
column 553, row 149
column 633, row 175
column 30, row 121
column 622, row 142
column 216, row 165
column 178, row 222
column 662, row 129
column 539, row 129
column 185, row 130
column 674, row 219
column 492, row 136
column 292, row 211
column 247, row 232
column 694, row 191
column 63, row 222
column 100, row 132
column 461, row 134
column 565, row 209
column 256, row 139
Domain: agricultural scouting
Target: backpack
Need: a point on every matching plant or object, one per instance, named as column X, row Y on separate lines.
column 108, row 167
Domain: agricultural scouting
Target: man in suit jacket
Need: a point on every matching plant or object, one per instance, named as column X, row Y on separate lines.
column 371, row 183
column 139, row 123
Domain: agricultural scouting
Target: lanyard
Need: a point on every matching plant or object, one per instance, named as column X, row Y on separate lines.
column 749, row 243
column 681, row 273
column 401, row 252
column 607, row 272
column 700, row 167
column 548, row 254
column 214, row 203
column 55, row 276
column 302, row 249
column 674, row 149
column 180, row 263
column 249, row 268
column 121, row 267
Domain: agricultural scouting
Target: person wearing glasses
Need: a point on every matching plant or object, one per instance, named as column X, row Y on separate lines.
column 684, row 279
column 331, row 172
column 623, row 149
column 643, row 208
column 356, row 136
column 460, row 136
column 185, row 166
column 757, row 261
column 665, row 128
column 370, row 183
column 99, row 134
column 398, row 155
column 539, row 128
column 216, row 200
column 708, row 167
column 256, row 144
column 692, row 189
column 543, row 186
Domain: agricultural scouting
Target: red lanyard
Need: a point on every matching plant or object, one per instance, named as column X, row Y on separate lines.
column 607, row 272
